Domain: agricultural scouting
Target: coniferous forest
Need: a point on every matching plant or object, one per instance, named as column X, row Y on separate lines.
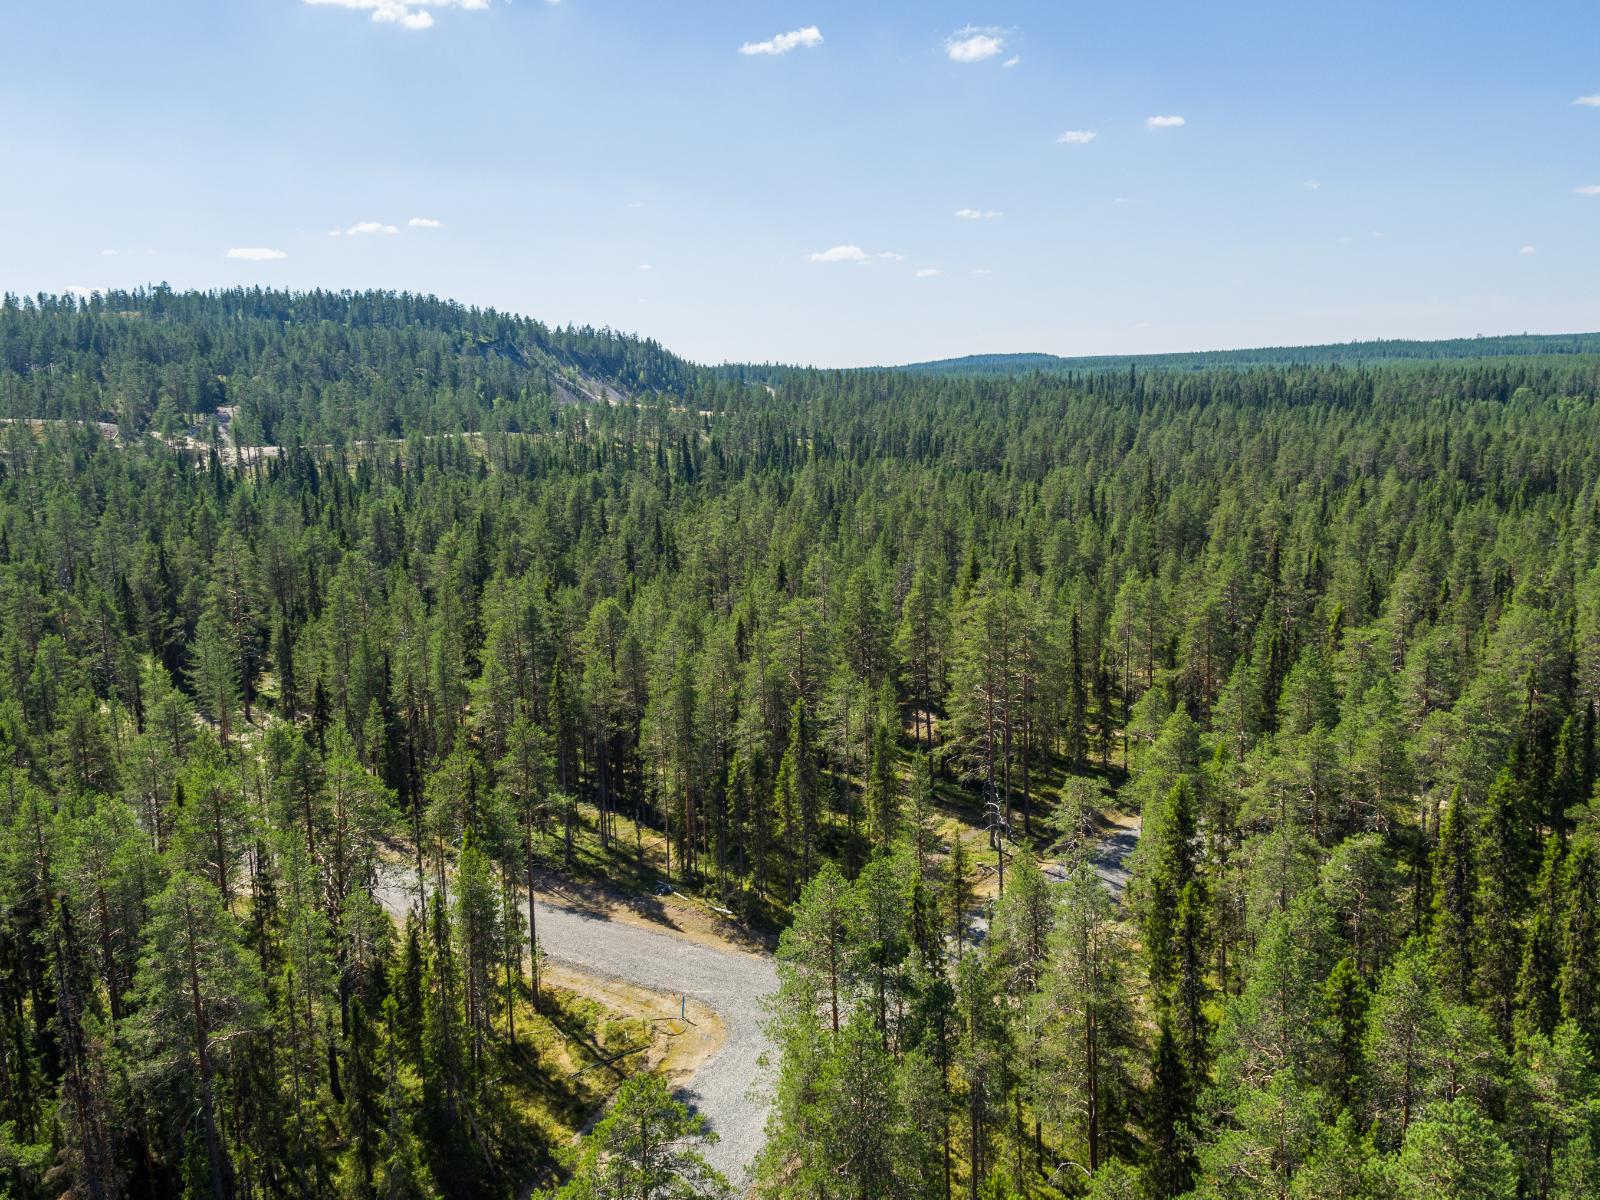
column 310, row 600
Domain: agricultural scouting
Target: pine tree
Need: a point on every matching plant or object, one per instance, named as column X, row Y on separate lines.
column 818, row 944
column 526, row 771
column 882, row 936
column 958, row 894
column 796, row 793
column 983, row 1057
column 1404, row 1028
column 1089, row 1039
column 648, row 1147
column 883, row 782
column 1455, row 1155
column 88, row 1114
column 477, row 938
column 197, row 998
column 1077, row 718
column 919, row 824
column 214, row 673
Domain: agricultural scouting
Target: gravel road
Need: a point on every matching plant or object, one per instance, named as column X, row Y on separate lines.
column 728, row 1089
column 725, row 1089
column 1110, row 859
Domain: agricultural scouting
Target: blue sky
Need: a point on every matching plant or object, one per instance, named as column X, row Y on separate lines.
column 1342, row 171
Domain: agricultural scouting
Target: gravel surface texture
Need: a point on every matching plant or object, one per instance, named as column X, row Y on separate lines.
column 728, row 1090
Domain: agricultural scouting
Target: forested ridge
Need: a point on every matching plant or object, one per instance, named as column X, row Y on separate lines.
column 1385, row 351
column 504, row 600
column 313, row 366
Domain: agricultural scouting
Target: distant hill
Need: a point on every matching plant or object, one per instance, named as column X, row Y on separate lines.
column 319, row 365
column 1367, row 353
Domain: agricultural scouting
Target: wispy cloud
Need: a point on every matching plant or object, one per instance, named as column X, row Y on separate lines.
column 1588, row 101
column 256, row 253
column 363, row 229
column 1163, row 122
column 836, row 254
column 108, row 254
column 810, row 37
column 982, row 271
column 1077, row 137
column 974, row 44
column 646, row 267
column 1314, row 184
column 929, row 273
column 425, row 223
column 977, row 214
column 1526, row 250
column 408, row 14
column 1012, row 61
column 891, row 256
column 1588, row 189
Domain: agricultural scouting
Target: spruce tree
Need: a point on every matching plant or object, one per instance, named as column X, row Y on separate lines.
column 1455, row 885
column 1579, row 977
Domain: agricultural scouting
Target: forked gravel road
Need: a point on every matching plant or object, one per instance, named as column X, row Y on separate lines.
column 729, row 1089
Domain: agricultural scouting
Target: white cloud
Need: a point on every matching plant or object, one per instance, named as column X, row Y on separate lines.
column 972, row 44
column 1588, row 101
column 646, row 267
column 1077, row 137
column 977, row 214
column 810, row 37
column 408, row 14
column 1588, row 189
column 256, row 253
column 361, row 228
column 982, row 271
column 108, row 254
column 1012, row 61
column 840, row 254
column 1163, row 122
column 425, row 223
column 891, row 256
column 1526, row 250
column 929, row 273
column 1313, row 184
